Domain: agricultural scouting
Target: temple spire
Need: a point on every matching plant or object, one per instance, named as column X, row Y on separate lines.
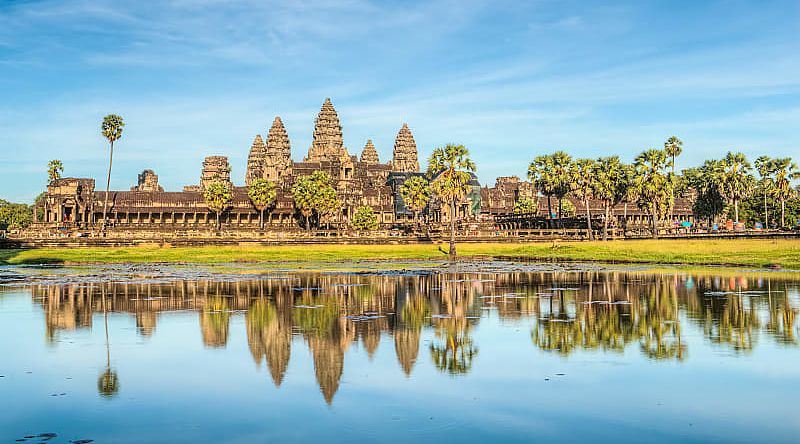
column 404, row 155
column 328, row 144
column 370, row 155
column 255, row 160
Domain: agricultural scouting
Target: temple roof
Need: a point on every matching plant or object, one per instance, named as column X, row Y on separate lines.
column 328, row 143
column 370, row 154
column 404, row 155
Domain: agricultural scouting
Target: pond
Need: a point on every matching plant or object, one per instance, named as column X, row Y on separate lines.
column 483, row 351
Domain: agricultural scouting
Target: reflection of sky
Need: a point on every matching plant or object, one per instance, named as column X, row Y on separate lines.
column 173, row 389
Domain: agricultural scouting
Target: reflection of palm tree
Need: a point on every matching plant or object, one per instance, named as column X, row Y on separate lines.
column 108, row 382
column 454, row 352
column 214, row 322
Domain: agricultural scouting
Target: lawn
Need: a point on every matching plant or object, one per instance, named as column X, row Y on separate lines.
column 783, row 253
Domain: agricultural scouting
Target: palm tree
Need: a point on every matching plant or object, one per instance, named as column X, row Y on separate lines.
column 705, row 180
column 736, row 181
column 584, row 186
column 611, row 185
column 262, row 194
column 54, row 170
column 765, row 167
column 111, row 129
column 785, row 171
column 652, row 186
column 451, row 167
column 674, row 148
column 553, row 175
column 218, row 195
column 416, row 193
column 315, row 194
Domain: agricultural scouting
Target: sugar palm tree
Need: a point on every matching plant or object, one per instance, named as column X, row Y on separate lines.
column 552, row 174
column 611, row 185
column 540, row 173
column 736, row 181
column 262, row 194
column 111, row 129
column 218, row 195
column 416, row 193
column 451, row 166
column 674, row 148
column 785, row 171
column 766, row 168
column 583, row 188
column 54, row 170
column 652, row 185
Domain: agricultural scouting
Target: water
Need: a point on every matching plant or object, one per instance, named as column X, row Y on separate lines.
column 412, row 352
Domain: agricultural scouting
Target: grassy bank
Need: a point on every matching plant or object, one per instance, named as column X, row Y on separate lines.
column 739, row 252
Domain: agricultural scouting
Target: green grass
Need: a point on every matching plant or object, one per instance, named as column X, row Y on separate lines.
column 755, row 253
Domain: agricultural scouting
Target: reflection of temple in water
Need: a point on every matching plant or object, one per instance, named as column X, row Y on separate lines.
column 329, row 313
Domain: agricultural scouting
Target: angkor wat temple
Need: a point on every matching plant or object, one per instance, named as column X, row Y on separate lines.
column 73, row 203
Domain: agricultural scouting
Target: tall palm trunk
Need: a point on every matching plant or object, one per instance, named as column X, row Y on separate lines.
column 108, row 187
column 783, row 212
column 219, row 226
column 654, row 221
column 453, row 231
column 605, row 223
column 549, row 212
column 736, row 211
column 588, row 219
column 625, row 219
column 766, row 214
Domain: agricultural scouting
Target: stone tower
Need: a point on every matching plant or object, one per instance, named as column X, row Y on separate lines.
column 328, row 143
column 148, row 182
column 278, row 158
column 404, row 156
column 255, row 160
column 215, row 169
column 370, row 155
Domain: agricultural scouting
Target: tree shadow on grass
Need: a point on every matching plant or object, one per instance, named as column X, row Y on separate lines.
column 9, row 256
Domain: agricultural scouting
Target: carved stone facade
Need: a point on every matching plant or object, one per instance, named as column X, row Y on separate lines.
column 358, row 182
column 404, row 155
column 148, row 182
column 370, row 155
column 215, row 169
column 328, row 144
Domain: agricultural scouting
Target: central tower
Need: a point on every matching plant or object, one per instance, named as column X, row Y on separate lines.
column 328, row 144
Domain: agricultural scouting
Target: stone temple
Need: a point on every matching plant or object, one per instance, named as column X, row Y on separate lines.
column 359, row 180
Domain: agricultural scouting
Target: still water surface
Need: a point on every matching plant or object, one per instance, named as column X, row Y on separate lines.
column 487, row 351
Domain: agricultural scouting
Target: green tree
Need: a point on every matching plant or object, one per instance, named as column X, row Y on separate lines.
column 13, row 215
column 652, row 185
column 553, row 175
column 365, row 219
column 785, row 171
column 611, row 185
column 262, row 194
column 674, row 148
column 736, row 182
column 705, row 180
column 54, row 170
column 765, row 167
column 416, row 193
column 111, row 129
column 314, row 194
column 583, row 188
column 453, row 165
column 525, row 205
column 218, row 196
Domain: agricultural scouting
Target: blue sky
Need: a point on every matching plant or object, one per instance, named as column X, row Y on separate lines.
column 508, row 79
